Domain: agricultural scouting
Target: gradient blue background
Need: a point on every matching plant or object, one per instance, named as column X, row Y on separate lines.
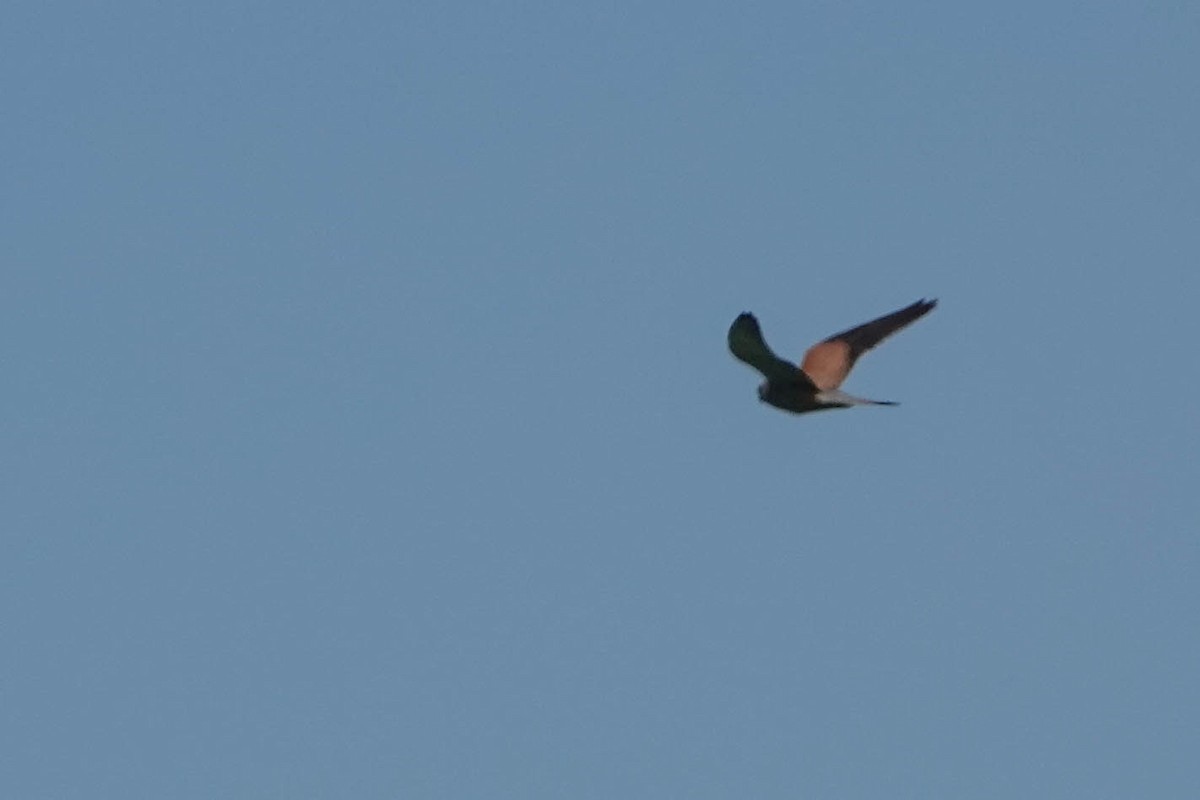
column 368, row 428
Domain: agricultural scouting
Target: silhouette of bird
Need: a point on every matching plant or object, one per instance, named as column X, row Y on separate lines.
column 813, row 386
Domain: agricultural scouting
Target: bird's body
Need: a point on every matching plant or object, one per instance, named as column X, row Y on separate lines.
column 813, row 386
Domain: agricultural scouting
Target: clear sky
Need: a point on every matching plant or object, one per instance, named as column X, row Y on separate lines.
column 369, row 431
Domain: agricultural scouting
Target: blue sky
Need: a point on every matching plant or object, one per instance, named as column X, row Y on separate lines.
column 369, row 429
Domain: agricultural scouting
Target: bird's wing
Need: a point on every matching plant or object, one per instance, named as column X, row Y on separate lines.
column 747, row 344
column 829, row 362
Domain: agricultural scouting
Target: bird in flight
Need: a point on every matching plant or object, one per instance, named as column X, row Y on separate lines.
column 813, row 385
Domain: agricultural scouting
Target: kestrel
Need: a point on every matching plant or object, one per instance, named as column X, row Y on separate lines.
column 813, row 385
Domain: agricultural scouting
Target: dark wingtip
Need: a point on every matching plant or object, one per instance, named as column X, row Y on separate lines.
column 746, row 318
column 923, row 306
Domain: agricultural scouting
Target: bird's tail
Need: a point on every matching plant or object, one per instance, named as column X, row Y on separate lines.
column 836, row 397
